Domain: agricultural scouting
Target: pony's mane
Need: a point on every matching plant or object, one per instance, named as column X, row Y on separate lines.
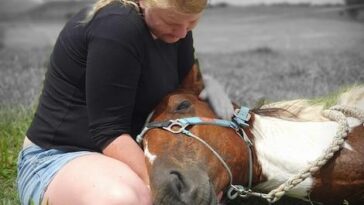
column 274, row 112
column 311, row 109
column 296, row 110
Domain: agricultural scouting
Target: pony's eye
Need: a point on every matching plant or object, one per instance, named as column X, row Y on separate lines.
column 183, row 105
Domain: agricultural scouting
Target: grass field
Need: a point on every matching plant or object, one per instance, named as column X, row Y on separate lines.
column 13, row 122
column 271, row 53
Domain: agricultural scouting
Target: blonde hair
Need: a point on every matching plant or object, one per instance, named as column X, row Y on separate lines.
column 102, row 3
column 184, row 6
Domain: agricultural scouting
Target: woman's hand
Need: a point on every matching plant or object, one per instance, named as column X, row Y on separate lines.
column 215, row 94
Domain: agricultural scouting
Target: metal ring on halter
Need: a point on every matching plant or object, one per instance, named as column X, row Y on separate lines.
column 175, row 123
column 230, row 194
column 239, row 191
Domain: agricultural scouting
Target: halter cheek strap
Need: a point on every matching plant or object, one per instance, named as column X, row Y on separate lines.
column 239, row 120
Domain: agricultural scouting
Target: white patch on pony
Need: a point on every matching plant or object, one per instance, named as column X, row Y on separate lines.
column 284, row 148
column 348, row 146
column 353, row 122
column 151, row 157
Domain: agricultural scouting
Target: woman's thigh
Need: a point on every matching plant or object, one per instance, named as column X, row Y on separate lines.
column 96, row 179
column 36, row 169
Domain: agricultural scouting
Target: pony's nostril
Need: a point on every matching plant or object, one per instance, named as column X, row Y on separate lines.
column 183, row 189
column 177, row 182
column 187, row 187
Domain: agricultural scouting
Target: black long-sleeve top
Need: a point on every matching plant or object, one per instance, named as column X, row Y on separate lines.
column 104, row 78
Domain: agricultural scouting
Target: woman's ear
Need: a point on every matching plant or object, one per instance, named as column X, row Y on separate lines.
column 193, row 80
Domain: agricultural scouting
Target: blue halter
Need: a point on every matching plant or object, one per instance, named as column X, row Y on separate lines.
column 239, row 120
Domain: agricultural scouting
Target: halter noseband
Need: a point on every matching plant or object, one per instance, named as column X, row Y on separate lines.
column 240, row 119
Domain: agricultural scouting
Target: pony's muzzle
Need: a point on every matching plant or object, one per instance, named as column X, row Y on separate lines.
column 181, row 187
column 185, row 187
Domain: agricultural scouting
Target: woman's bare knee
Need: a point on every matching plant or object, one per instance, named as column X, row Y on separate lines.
column 120, row 195
column 97, row 179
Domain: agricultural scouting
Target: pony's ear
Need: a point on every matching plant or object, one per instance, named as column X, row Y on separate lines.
column 193, row 80
column 235, row 105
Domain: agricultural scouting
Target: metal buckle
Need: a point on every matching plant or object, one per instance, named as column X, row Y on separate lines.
column 175, row 124
column 241, row 116
column 237, row 190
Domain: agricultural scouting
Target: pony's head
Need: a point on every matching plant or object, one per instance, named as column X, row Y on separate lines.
column 184, row 169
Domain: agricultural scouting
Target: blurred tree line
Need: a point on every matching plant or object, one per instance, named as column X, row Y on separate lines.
column 354, row 8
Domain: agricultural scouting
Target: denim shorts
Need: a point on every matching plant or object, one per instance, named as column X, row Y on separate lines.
column 36, row 169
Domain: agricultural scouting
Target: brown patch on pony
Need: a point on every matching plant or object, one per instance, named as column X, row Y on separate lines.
column 339, row 176
column 163, row 105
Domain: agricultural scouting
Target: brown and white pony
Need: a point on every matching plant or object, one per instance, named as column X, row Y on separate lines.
column 185, row 170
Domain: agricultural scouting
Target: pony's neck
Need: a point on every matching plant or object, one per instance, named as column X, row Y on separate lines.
column 284, row 148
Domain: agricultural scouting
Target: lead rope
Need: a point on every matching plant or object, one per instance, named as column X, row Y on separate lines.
column 338, row 114
column 350, row 111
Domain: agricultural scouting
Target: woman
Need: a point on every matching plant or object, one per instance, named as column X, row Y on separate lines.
column 110, row 66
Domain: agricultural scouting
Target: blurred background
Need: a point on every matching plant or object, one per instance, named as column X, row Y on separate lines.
column 261, row 50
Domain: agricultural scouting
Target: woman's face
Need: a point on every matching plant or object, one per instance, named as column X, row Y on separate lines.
column 169, row 25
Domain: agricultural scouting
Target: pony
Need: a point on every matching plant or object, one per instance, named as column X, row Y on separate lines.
column 292, row 148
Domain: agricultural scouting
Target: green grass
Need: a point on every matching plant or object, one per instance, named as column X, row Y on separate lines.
column 21, row 77
column 332, row 98
column 13, row 123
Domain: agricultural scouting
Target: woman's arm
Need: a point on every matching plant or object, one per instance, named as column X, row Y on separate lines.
column 125, row 149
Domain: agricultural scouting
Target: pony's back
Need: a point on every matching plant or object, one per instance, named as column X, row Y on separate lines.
column 353, row 97
column 311, row 110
